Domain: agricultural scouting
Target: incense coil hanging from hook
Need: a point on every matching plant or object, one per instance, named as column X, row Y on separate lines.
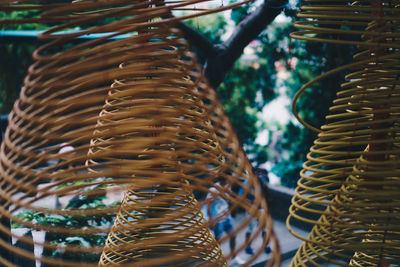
column 348, row 189
column 125, row 134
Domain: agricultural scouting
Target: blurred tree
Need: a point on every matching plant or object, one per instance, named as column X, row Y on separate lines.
column 244, row 86
column 15, row 58
column 247, row 85
column 313, row 59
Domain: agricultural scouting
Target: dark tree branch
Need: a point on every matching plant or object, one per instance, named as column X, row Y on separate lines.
column 252, row 26
column 221, row 57
column 196, row 39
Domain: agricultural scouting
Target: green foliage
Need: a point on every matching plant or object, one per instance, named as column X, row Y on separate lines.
column 239, row 13
column 73, row 222
column 17, row 57
column 211, row 26
column 24, row 14
column 246, row 80
column 314, row 59
column 238, row 93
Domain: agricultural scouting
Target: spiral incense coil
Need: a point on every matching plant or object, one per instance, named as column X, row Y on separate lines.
column 344, row 22
column 349, row 186
column 122, row 132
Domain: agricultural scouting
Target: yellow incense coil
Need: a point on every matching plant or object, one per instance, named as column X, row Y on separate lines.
column 349, row 186
column 344, row 22
column 122, row 132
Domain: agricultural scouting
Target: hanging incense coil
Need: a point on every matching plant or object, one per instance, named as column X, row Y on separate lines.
column 125, row 134
column 344, row 22
column 349, row 185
